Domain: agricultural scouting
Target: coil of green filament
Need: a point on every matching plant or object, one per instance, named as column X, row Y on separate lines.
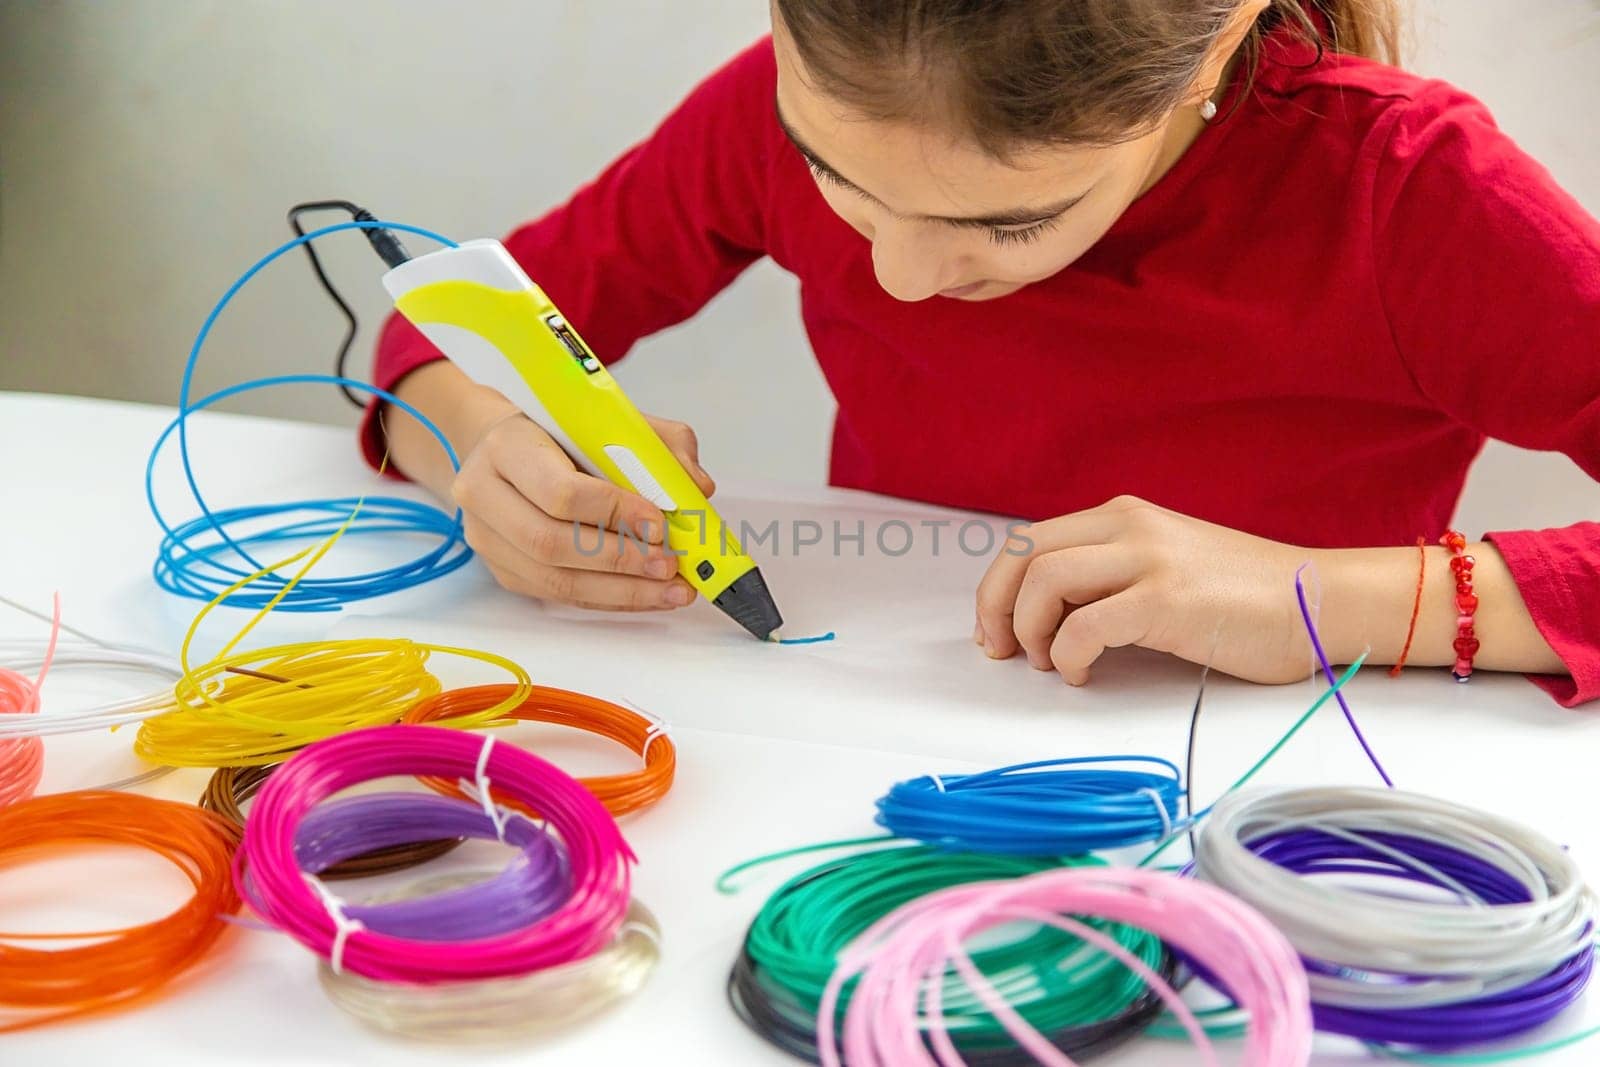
column 1087, row 1001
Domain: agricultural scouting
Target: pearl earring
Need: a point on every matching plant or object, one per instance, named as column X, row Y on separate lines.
column 1208, row 110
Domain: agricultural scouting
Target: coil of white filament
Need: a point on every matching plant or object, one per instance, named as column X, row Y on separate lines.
column 502, row 1008
column 25, row 656
column 1450, row 950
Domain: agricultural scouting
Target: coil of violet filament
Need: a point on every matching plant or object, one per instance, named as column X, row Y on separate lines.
column 1464, row 927
column 535, row 883
column 895, row 1016
column 229, row 788
column 269, row 875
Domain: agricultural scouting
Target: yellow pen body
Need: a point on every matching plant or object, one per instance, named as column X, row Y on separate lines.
column 475, row 303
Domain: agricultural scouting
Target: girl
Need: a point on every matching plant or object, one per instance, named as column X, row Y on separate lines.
column 1201, row 287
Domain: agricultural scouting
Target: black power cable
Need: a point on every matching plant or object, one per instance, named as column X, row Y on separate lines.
column 386, row 245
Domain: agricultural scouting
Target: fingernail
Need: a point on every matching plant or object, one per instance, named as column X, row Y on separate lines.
column 1040, row 665
column 977, row 633
column 662, row 568
column 679, row 595
column 990, row 650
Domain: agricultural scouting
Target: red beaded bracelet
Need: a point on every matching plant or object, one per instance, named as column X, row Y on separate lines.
column 1466, row 643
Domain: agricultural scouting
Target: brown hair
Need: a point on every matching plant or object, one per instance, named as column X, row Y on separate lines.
column 1015, row 73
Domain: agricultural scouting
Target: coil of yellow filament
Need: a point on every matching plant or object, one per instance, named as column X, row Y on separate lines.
column 248, row 709
column 257, row 707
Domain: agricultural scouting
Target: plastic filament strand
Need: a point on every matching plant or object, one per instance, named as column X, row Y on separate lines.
column 268, row 872
column 230, row 788
column 1061, row 807
column 22, row 758
column 496, row 1009
column 645, row 737
column 895, row 1013
column 256, row 707
column 29, row 655
column 533, row 885
column 209, row 557
column 114, row 966
column 1499, row 944
column 1085, row 1001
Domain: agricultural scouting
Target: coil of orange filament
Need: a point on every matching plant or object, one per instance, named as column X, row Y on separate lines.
column 114, row 967
column 641, row 735
column 230, row 787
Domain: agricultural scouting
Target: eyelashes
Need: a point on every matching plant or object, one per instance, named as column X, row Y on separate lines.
column 1002, row 237
column 823, row 174
column 1025, row 236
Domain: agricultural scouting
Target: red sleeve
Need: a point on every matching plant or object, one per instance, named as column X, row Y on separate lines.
column 652, row 239
column 1490, row 276
column 1558, row 573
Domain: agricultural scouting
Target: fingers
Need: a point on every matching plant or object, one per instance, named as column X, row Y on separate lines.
column 1116, row 621
column 997, row 596
column 520, row 573
column 1001, row 584
column 527, row 458
column 492, row 504
column 1055, row 586
column 683, row 443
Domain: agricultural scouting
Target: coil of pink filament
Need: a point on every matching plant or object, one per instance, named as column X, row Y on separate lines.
column 22, row 758
column 269, row 878
column 894, row 1019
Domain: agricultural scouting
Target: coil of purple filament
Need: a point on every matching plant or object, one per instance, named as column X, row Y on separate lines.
column 533, row 884
column 1438, row 1026
column 1423, row 924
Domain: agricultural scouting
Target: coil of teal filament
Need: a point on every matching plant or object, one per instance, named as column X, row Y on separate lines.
column 1055, row 981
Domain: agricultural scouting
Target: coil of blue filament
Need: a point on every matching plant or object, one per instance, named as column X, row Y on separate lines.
column 202, row 557
column 1062, row 807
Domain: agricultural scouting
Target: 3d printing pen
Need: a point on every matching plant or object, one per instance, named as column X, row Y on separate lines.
column 475, row 303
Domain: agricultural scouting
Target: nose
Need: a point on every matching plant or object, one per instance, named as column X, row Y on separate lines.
column 909, row 265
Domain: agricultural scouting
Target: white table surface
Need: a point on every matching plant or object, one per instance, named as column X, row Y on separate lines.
column 777, row 746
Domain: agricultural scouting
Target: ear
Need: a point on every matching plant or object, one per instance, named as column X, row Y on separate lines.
column 1223, row 50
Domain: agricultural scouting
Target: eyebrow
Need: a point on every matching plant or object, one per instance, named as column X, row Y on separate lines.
column 1016, row 217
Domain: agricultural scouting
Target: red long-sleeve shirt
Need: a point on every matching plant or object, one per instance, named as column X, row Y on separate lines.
column 1305, row 330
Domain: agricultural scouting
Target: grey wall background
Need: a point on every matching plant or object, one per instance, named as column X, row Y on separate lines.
column 148, row 149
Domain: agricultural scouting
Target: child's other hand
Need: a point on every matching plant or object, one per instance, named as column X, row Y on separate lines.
column 1132, row 573
column 536, row 521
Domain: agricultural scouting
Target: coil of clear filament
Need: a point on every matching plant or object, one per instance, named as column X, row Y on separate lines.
column 500, row 1009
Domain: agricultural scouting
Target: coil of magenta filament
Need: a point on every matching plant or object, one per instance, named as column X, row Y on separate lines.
column 565, row 896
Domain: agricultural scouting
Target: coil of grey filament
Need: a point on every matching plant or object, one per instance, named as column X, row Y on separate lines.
column 1387, row 948
column 500, row 1009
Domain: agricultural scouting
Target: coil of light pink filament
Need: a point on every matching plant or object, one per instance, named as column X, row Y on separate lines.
column 894, row 1018
column 270, row 879
column 22, row 758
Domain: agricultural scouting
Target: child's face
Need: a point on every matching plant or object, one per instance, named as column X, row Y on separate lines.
column 946, row 219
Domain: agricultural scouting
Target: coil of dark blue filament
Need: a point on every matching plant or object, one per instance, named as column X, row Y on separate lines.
column 202, row 557
column 1063, row 807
